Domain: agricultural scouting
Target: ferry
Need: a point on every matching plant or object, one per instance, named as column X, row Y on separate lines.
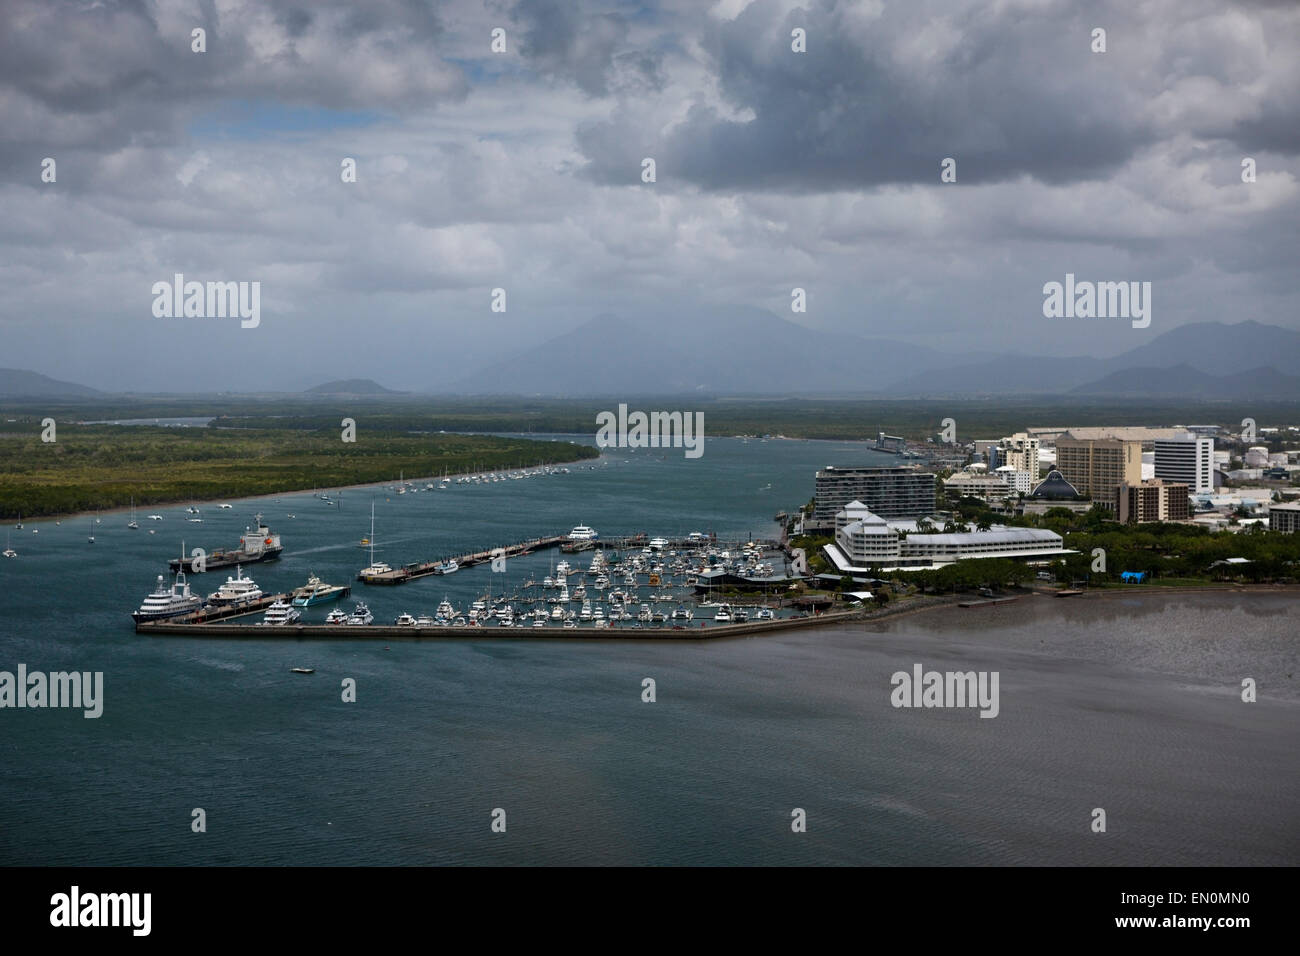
column 582, row 533
column 316, row 591
column 164, row 602
column 256, row 544
column 237, row 590
column 280, row 614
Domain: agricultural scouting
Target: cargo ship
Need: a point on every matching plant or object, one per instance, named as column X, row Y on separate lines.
column 256, row 544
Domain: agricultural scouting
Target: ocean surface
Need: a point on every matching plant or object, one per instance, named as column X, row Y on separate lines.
column 1130, row 704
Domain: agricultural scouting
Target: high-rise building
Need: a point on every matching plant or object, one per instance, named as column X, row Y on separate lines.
column 898, row 492
column 1188, row 459
column 1020, row 451
column 1153, row 500
column 1097, row 467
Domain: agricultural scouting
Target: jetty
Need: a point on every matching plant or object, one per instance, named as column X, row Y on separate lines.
column 699, row 631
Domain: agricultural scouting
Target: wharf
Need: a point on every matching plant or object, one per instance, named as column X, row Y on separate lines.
column 348, row 632
column 409, row 572
column 989, row 602
column 209, row 613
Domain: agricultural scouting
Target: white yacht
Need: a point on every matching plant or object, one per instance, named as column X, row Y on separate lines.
column 337, row 616
column 562, row 571
column 724, row 614
column 445, row 611
column 9, row 552
column 405, row 620
column 424, row 621
column 447, row 567
column 682, row 613
column 281, row 613
column 766, row 614
column 582, row 533
column 164, row 602
column 360, row 614
column 644, row 614
column 133, row 524
column 236, row 590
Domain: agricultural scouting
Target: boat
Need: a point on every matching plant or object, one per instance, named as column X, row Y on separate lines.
column 256, row 544
column 166, row 602
column 445, row 611
column 582, row 533
column 740, row 615
column 450, row 566
column 133, row 524
column 236, row 591
column 302, row 670
column 280, row 613
column 404, row 620
column 9, row 552
column 155, row 517
column 337, row 616
column 724, row 614
column 765, row 614
column 225, row 507
column 644, row 614
column 682, row 613
column 360, row 614
column 376, row 568
column 425, row 621
column 316, row 591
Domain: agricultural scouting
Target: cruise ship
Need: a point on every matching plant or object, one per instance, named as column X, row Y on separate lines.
column 236, row 590
column 256, row 544
column 164, row 602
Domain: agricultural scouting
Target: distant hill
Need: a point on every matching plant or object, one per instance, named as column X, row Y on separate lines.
column 1214, row 350
column 727, row 351
column 352, row 386
column 1265, row 382
column 20, row 383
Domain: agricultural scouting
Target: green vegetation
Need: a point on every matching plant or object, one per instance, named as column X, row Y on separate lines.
column 103, row 466
column 830, row 418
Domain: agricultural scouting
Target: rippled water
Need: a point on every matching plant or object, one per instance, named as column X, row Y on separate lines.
column 1129, row 704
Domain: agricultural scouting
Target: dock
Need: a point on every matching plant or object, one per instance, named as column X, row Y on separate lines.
column 697, row 631
column 209, row 613
column 989, row 602
column 421, row 569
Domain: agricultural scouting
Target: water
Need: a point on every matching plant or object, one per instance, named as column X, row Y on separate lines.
column 1130, row 704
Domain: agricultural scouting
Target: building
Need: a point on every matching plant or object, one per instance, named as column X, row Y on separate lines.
column 864, row 540
column 1144, row 435
column 1188, row 459
column 897, row 492
column 1018, row 481
column 1054, row 488
column 967, row 484
column 1154, row 500
column 1020, row 451
column 1096, row 467
column 1284, row 517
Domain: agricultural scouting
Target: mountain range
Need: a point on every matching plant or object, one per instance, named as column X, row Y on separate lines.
column 744, row 351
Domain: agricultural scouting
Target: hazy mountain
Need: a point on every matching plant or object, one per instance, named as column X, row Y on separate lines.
column 352, row 386
column 730, row 350
column 1214, row 349
column 1266, row 382
column 20, row 383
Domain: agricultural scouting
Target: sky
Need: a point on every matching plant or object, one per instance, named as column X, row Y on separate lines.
column 522, row 170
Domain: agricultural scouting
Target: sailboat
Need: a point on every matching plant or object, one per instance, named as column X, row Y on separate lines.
column 9, row 552
column 91, row 536
column 376, row 567
column 133, row 524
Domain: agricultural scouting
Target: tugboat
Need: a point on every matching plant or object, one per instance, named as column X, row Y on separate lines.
column 258, row 544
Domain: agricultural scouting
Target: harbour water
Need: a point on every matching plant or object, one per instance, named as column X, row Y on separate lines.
column 1130, row 704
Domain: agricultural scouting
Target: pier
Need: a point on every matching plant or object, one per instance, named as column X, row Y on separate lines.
column 421, row 569
column 349, row 632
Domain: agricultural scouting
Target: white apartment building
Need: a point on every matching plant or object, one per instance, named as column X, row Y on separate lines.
column 1187, row 460
column 1017, row 481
